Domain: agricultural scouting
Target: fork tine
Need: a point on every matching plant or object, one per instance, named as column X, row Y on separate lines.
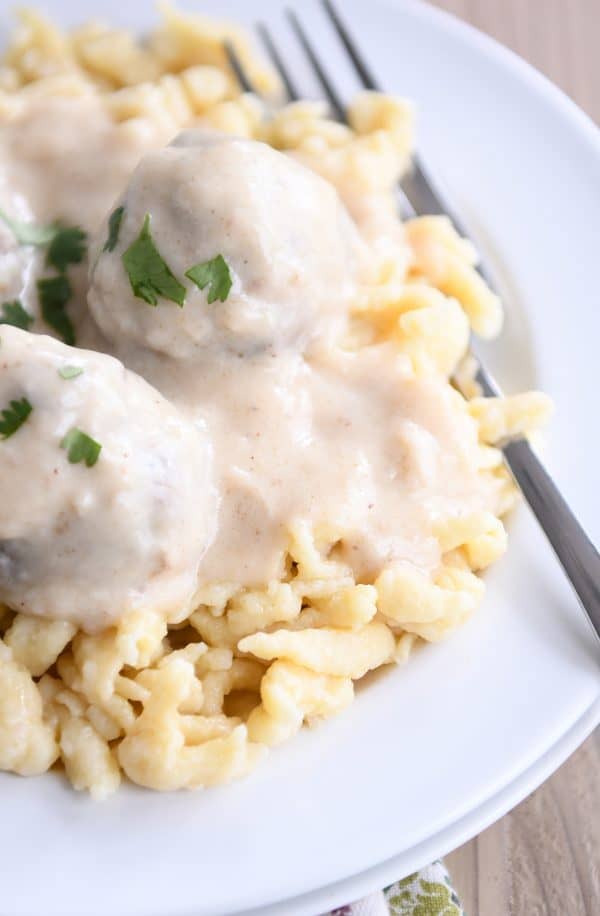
column 364, row 73
column 247, row 85
column 238, row 70
column 328, row 88
column 415, row 185
column 277, row 62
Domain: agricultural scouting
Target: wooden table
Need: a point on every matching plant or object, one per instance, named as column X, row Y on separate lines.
column 542, row 859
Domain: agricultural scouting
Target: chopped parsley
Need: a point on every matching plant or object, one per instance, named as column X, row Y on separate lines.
column 29, row 233
column 13, row 417
column 114, row 227
column 215, row 274
column 54, row 293
column 14, row 314
column 81, row 447
column 68, row 246
column 149, row 274
column 69, row 372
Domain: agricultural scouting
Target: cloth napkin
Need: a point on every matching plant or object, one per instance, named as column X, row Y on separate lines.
column 428, row 892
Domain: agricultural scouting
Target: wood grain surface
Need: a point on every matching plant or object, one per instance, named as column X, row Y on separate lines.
column 542, row 859
column 559, row 37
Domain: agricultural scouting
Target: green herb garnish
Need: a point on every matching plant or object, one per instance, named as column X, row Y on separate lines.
column 54, row 293
column 14, row 416
column 114, row 227
column 29, row 233
column 81, row 447
column 69, row 372
column 149, row 274
column 68, row 246
column 215, row 274
column 14, row 314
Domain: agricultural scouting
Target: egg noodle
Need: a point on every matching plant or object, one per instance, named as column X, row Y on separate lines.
column 199, row 703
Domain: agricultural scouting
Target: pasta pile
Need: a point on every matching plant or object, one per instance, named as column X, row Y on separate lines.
column 199, row 703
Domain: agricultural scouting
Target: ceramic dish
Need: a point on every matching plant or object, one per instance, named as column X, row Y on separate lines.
column 430, row 753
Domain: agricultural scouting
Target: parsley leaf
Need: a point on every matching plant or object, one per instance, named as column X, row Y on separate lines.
column 215, row 274
column 14, row 314
column 69, row 372
column 54, row 293
column 29, row 233
column 150, row 276
column 68, row 246
column 114, row 227
column 14, row 416
column 81, row 447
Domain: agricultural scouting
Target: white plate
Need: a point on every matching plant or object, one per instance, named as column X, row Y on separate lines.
column 429, row 754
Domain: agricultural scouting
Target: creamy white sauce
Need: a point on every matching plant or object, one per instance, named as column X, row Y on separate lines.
column 345, row 439
column 297, row 428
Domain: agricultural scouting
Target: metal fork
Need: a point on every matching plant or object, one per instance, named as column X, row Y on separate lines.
column 576, row 553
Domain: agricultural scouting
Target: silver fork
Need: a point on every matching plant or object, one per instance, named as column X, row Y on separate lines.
column 576, row 553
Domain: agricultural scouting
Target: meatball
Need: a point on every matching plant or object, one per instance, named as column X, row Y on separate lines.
column 288, row 243
column 106, row 499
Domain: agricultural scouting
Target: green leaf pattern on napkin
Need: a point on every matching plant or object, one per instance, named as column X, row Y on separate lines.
column 425, row 893
column 416, row 895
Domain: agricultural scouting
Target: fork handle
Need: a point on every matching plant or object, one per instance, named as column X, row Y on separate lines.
column 573, row 548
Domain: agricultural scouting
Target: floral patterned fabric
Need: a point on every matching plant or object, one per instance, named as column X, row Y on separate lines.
column 425, row 893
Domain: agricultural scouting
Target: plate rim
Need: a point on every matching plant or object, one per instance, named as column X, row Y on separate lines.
column 449, row 838
column 509, row 796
